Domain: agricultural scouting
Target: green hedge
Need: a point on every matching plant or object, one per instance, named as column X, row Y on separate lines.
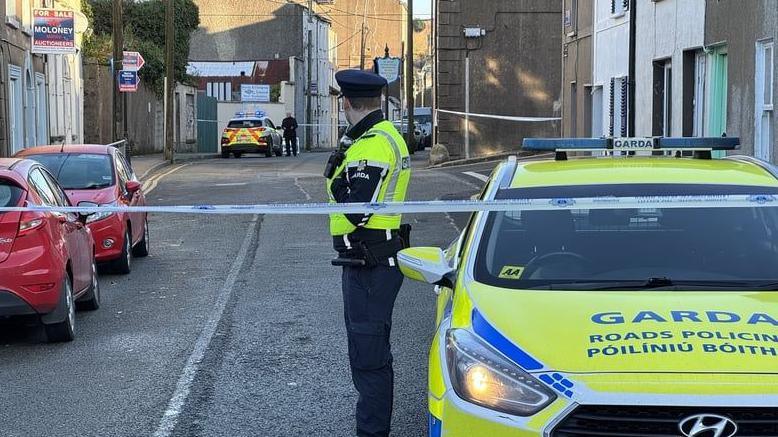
column 144, row 32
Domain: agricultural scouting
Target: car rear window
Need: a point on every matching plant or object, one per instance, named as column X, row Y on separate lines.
column 9, row 194
column 76, row 171
column 243, row 124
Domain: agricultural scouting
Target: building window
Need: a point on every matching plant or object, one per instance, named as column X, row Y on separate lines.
column 663, row 98
column 42, row 121
column 571, row 18
column 765, row 74
column 619, row 105
column 15, row 109
column 619, row 7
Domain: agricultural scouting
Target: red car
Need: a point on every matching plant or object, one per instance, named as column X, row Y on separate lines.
column 47, row 264
column 100, row 175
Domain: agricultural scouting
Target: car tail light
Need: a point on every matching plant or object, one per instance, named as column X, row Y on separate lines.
column 30, row 221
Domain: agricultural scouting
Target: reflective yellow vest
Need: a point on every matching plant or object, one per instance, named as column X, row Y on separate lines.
column 383, row 146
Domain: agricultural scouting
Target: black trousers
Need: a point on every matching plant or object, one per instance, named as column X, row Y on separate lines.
column 368, row 301
column 291, row 146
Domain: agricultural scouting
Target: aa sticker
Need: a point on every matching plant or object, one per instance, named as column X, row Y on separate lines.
column 511, row 272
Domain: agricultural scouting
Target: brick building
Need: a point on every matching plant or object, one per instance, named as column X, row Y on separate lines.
column 515, row 71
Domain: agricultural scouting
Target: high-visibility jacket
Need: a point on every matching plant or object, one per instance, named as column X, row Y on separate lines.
column 376, row 168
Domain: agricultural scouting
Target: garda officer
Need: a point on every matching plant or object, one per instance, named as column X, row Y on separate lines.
column 372, row 166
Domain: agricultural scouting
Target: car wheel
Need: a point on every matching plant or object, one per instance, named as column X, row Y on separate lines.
column 91, row 301
column 123, row 265
column 65, row 330
column 225, row 155
column 237, row 155
column 141, row 250
column 269, row 151
column 279, row 152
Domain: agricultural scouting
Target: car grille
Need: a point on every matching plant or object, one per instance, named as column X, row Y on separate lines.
column 622, row 421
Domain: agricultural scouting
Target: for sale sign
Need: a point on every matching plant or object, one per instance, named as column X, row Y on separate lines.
column 54, row 31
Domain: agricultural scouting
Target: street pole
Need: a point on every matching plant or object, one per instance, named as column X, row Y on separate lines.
column 410, row 79
column 308, row 103
column 118, row 54
column 309, row 97
column 170, row 79
column 467, row 105
column 363, row 43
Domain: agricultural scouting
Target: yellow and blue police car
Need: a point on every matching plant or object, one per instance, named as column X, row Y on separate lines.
column 632, row 293
column 251, row 133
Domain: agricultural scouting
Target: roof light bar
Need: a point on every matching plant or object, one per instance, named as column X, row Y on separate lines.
column 630, row 144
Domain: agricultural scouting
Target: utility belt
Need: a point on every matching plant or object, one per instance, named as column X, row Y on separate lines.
column 370, row 254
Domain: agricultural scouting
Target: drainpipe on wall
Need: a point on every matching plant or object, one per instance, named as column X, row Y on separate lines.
column 632, row 67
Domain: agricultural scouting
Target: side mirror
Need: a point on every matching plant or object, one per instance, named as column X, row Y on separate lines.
column 132, row 187
column 426, row 264
column 83, row 217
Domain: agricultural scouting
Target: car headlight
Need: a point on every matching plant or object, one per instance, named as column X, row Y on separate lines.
column 484, row 377
column 96, row 217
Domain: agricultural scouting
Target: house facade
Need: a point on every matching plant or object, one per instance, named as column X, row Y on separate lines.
column 515, row 70
column 740, row 46
column 41, row 100
column 580, row 119
column 672, row 85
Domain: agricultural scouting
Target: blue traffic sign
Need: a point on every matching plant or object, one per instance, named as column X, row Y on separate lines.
column 128, row 81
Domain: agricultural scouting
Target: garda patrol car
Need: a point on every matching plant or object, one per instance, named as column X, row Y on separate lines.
column 251, row 133
column 630, row 294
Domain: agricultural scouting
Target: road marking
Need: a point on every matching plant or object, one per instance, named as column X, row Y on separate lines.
column 479, row 176
column 151, row 184
column 184, row 385
column 234, row 184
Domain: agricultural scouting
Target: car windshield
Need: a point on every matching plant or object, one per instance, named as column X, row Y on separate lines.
column 611, row 249
column 9, row 194
column 79, row 171
column 243, row 124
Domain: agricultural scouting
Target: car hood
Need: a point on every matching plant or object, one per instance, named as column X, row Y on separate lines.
column 102, row 196
column 646, row 331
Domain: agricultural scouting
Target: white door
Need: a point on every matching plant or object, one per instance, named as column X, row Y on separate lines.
column 597, row 114
column 699, row 94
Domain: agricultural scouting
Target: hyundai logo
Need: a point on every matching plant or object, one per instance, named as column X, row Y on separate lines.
column 708, row 425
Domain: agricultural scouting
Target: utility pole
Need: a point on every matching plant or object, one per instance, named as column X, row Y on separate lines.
column 363, row 44
column 118, row 55
column 170, row 79
column 308, row 102
column 410, row 79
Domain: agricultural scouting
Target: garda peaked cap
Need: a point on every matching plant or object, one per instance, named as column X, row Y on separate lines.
column 358, row 83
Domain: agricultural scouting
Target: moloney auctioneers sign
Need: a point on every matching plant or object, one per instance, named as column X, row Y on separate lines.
column 54, row 31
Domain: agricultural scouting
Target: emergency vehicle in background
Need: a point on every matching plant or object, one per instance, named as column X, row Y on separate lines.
column 631, row 292
column 251, row 133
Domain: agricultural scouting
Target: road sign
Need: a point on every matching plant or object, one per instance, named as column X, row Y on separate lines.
column 255, row 93
column 132, row 61
column 388, row 68
column 128, row 81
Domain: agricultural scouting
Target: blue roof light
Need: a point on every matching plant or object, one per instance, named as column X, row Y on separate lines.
column 553, row 144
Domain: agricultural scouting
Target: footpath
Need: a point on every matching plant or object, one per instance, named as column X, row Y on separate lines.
column 145, row 165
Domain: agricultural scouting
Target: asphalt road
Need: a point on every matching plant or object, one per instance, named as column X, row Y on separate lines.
column 233, row 326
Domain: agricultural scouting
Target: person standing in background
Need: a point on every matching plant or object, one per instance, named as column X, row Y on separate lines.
column 289, row 125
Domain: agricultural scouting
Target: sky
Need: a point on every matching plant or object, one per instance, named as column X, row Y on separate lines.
column 422, row 7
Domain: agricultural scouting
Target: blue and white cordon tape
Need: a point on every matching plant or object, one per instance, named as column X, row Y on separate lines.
column 448, row 206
